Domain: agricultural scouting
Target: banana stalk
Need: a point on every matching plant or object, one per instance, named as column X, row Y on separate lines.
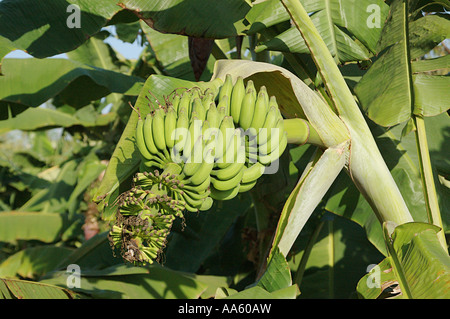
column 299, row 131
column 366, row 165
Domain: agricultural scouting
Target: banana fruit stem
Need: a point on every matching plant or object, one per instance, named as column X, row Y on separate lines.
column 300, row 132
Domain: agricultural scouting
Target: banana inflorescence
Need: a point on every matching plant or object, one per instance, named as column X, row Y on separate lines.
column 198, row 147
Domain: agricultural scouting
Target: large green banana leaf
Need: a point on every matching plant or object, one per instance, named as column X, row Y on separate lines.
column 399, row 84
column 64, row 191
column 44, row 227
column 417, row 264
column 338, row 22
column 135, row 283
column 31, row 82
column 22, row 289
column 43, row 28
column 38, row 118
column 190, row 247
column 33, row 262
column 192, row 18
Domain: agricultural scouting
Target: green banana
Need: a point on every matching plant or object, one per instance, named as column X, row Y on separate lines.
column 207, row 204
column 260, row 113
column 251, row 157
column 224, row 104
column 191, row 208
column 226, row 90
column 158, row 129
column 170, row 124
column 276, row 153
column 140, row 141
column 185, row 101
column 216, row 159
column 253, row 172
column 196, row 93
column 198, row 188
column 224, row 138
column 195, row 159
column 203, row 170
column 208, row 100
column 195, row 130
column 198, row 109
column 270, row 122
column 233, row 169
column 247, row 109
column 228, row 184
column 263, row 90
column 222, row 112
column 176, row 102
column 206, row 132
column 230, row 147
column 210, row 136
column 194, row 200
column 150, row 164
column 148, row 134
column 196, row 195
column 237, row 95
column 245, row 187
column 212, row 116
column 181, row 131
column 275, row 138
column 224, row 195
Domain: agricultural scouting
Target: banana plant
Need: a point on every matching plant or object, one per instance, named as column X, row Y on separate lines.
column 338, row 128
column 164, row 206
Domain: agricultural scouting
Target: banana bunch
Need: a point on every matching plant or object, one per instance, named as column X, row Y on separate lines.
column 221, row 144
column 143, row 222
column 196, row 148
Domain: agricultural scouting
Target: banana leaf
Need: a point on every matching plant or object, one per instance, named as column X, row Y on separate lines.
column 41, row 28
column 33, row 262
column 417, row 264
column 152, row 282
column 22, row 289
column 338, row 22
column 33, row 26
column 192, row 18
column 398, row 84
column 32, row 82
column 44, row 227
